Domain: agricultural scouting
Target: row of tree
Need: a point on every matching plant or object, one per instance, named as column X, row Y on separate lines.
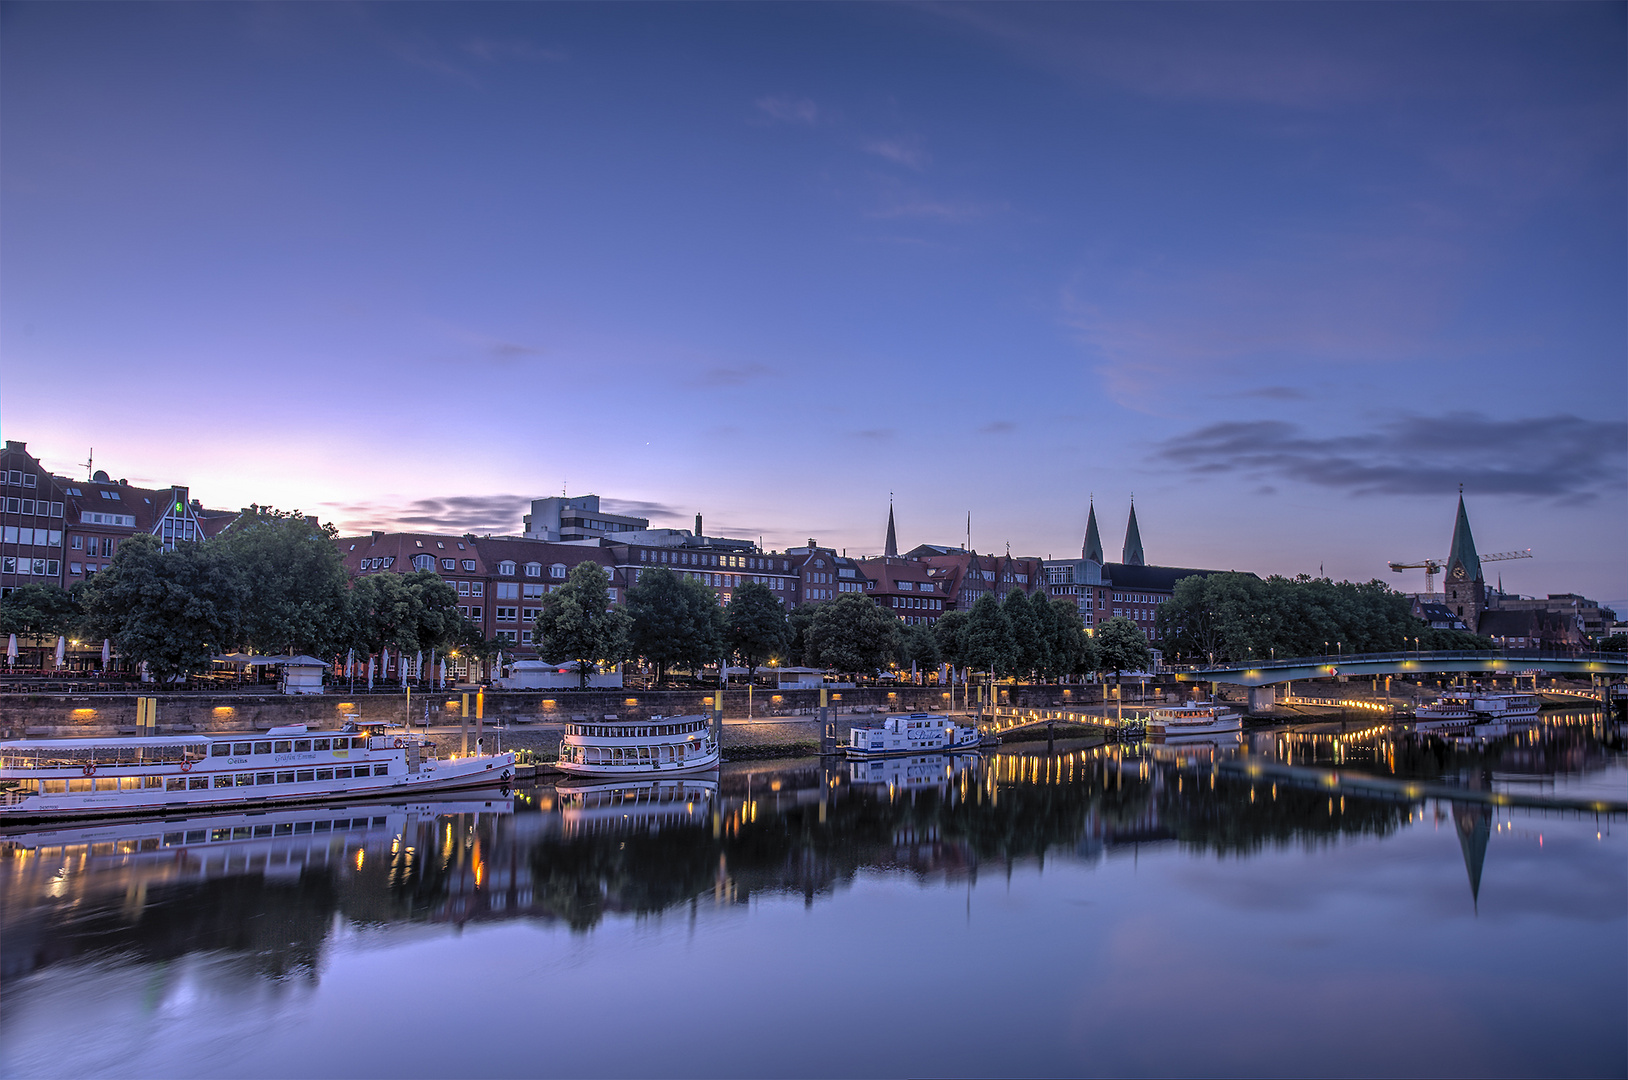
column 1240, row 617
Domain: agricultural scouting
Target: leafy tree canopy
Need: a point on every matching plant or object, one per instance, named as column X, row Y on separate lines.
column 676, row 621
column 850, row 633
column 950, row 631
column 291, row 579
column 172, row 610
column 1121, row 646
column 579, row 624
column 412, row 612
column 987, row 642
column 756, row 627
column 42, row 611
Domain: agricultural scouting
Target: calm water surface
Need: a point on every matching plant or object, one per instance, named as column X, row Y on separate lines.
column 1118, row 910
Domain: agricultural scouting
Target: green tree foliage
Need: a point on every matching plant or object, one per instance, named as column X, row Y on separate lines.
column 919, row 646
column 579, row 624
column 1073, row 651
column 1121, row 646
column 799, row 620
column 40, row 611
column 406, row 612
column 755, row 625
column 1030, row 641
column 1614, row 643
column 1239, row 617
column 172, row 610
column 676, row 621
column 292, row 582
column 850, row 633
column 987, row 643
column 950, row 631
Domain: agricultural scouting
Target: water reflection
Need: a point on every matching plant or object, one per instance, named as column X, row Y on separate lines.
column 272, row 893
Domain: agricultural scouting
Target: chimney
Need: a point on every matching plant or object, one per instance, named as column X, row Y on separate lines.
column 698, row 531
column 373, row 537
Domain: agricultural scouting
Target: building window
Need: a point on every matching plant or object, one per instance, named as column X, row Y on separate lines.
column 449, row 564
column 534, row 569
column 469, row 564
column 463, row 588
column 506, row 568
column 557, row 570
column 477, row 588
column 423, row 562
column 507, row 590
column 475, row 613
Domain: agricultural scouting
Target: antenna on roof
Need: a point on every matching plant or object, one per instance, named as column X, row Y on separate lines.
column 90, row 466
column 562, row 489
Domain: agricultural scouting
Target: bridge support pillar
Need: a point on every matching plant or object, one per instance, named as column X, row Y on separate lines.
column 1262, row 698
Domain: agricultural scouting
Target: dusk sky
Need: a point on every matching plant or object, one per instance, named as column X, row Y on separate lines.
column 1289, row 273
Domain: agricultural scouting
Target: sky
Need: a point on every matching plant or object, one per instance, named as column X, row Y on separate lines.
column 1285, row 274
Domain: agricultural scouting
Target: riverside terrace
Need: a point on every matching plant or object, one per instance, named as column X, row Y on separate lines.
column 1511, row 662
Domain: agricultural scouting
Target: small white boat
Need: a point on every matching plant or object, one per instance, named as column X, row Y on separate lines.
column 661, row 745
column 92, row 778
column 910, row 773
column 916, row 733
column 1462, row 709
column 1192, row 718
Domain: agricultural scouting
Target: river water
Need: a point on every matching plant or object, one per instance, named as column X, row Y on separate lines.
column 1117, row 910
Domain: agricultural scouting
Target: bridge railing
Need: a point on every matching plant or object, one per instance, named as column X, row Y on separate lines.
column 1410, row 654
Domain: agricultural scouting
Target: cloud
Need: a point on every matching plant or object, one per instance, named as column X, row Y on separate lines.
column 786, row 110
column 1560, row 457
column 942, row 209
column 1276, row 393
column 734, row 376
column 877, row 434
column 902, row 150
column 510, row 351
column 456, row 514
column 492, row 50
column 638, row 508
column 998, row 427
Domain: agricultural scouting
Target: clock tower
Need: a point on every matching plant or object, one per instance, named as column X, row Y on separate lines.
column 1466, row 589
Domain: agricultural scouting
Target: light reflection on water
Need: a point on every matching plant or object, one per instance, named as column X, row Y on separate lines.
column 1105, row 910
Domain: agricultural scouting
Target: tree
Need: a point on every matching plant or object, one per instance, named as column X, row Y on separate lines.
column 755, row 625
column 172, row 610
column 1121, row 646
column 920, row 647
column 949, row 632
column 799, row 620
column 1029, row 642
column 40, row 611
column 850, row 633
column 1614, row 643
column 578, row 623
column 676, row 621
column 987, row 643
column 293, row 582
column 407, row 612
column 1073, row 651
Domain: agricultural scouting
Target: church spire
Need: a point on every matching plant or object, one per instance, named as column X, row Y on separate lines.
column 1463, row 564
column 1091, row 551
column 891, row 548
column 1133, row 541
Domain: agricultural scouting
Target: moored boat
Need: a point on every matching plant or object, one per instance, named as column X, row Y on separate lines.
column 1461, row 709
column 91, row 778
column 915, row 733
column 1192, row 718
column 661, row 745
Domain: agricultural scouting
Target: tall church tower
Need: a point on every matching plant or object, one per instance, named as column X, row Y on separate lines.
column 1133, row 541
column 1091, row 550
column 1466, row 589
column 891, row 548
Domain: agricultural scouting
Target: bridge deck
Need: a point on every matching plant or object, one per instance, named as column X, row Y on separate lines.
column 1513, row 662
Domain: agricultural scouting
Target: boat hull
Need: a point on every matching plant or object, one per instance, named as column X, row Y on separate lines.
column 642, row 769
column 1158, row 729
column 488, row 771
column 966, row 745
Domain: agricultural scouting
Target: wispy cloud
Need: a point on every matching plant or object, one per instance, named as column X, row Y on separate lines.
column 740, row 375
column 1560, row 457
column 655, row 511
column 456, row 514
column 1275, row 393
column 998, row 427
column 877, row 434
column 907, row 150
column 788, row 110
column 919, row 206
column 495, row 50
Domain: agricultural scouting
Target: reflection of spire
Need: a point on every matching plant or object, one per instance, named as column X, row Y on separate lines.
column 1092, row 550
column 891, row 549
column 1474, row 824
column 1133, row 541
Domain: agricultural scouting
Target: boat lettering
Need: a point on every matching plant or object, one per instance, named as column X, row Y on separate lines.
column 237, row 761
column 288, row 759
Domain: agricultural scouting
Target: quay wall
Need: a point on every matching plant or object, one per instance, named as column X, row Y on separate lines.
column 69, row 715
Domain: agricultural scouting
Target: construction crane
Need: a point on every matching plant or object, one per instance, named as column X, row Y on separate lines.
column 1432, row 567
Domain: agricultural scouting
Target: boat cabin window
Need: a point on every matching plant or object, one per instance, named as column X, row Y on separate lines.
column 302, row 746
column 285, row 778
column 319, row 744
column 305, row 776
column 198, row 783
column 245, row 779
column 241, row 748
column 341, row 774
column 265, row 778
column 220, row 749
column 175, row 783
column 381, row 770
column 223, row 780
column 262, row 748
column 325, row 774
column 282, row 746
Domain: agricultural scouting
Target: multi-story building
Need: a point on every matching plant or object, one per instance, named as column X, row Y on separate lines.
column 1103, row 590
column 577, row 518
column 59, row 531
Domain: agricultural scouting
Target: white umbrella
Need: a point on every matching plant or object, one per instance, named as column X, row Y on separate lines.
column 443, row 673
column 370, row 673
column 11, row 650
column 107, row 652
column 62, row 647
column 384, row 664
column 350, row 662
column 418, row 664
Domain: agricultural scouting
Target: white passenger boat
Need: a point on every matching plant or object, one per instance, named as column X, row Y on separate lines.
column 916, row 733
column 660, row 745
column 588, row 809
column 1192, row 718
column 1466, row 708
column 911, row 773
column 83, row 778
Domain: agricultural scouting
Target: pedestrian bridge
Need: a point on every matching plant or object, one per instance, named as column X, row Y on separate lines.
column 1508, row 662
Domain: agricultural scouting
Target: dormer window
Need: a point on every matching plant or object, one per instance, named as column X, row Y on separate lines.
column 440, row 545
column 449, row 564
column 534, row 569
column 423, row 562
column 420, row 543
column 469, row 565
column 557, row 570
column 506, row 568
